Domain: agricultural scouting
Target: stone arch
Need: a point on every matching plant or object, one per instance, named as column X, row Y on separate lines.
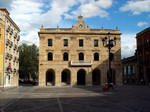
column 66, row 77
column 50, row 77
column 96, row 77
column 81, row 77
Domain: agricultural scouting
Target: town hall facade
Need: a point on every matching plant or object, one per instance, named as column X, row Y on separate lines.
column 76, row 56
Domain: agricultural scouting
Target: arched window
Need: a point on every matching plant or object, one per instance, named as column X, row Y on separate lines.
column 50, row 56
column 96, row 57
column 81, row 56
column 65, row 56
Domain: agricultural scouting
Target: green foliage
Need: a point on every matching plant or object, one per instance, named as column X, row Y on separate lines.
column 28, row 61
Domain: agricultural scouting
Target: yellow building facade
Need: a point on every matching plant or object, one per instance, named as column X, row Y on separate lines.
column 76, row 56
column 9, row 52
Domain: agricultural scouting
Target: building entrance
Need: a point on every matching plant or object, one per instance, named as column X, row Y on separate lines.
column 81, row 77
column 65, row 77
column 50, row 77
column 96, row 77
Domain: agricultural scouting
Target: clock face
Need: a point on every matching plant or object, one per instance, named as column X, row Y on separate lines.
column 80, row 26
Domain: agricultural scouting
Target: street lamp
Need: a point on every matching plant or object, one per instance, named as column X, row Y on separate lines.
column 109, row 43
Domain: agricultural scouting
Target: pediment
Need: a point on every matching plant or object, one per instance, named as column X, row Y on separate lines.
column 80, row 25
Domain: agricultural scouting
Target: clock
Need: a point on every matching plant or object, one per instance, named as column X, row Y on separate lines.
column 80, row 26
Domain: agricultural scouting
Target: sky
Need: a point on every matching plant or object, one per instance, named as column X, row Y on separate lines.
column 129, row 16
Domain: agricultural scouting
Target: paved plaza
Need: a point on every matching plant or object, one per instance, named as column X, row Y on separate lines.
column 75, row 99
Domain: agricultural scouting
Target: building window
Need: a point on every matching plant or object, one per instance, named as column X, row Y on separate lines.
column 96, row 57
column 80, row 42
column 95, row 43
column 50, row 42
column 81, row 56
column 129, row 70
column 65, row 42
column 65, row 56
column 124, row 70
column 50, row 56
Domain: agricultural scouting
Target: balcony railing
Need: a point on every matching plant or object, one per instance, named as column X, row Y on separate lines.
column 15, row 47
column 7, row 42
column 8, row 29
column 81, row 63
column 8, row 70
column 7, row 55
column 11, row 44
column 18, row 38
column 15, row 36
column 11, row 31
column 10, row 56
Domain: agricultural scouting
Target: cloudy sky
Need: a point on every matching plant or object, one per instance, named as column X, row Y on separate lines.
column 130, row 16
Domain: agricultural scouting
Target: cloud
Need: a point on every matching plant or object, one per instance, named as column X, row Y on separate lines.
column 142, row 23
column 136, row 7
column 128, row 45
column 29, row 15
column 93, row 8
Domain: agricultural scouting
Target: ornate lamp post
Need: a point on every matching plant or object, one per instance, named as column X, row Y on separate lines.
column 109, row 43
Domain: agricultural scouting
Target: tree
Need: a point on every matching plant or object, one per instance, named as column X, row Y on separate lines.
column 28, row 61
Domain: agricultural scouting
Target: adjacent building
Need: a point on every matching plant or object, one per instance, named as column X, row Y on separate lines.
column 143, row 55
column 129, row 70
column 9, row 53
column 76, row 56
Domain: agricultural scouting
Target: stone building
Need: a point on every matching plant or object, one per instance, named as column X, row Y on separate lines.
column 76, row 56
column 143, row 55
column 9, row 53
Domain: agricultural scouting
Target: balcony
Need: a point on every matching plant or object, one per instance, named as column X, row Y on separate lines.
column 14, row 70
column 11, row 44
column 7, row 55
column 15, row 36
column 8, row 70
column 11, row 31
column 10, row 56
column 81, row 63
column 15, row 47
column 18, row 38
column 15, row 58
column 8, row 29
column 7, row 42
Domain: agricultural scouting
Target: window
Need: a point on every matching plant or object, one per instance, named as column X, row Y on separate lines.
column 65, row 42
column 81, row 56
column 50, row 42
column 95, row 43
column 124, row 70
column 65, row 56
column 50, row 56
column 96, row 57
column 129, row 70
column 81, row 42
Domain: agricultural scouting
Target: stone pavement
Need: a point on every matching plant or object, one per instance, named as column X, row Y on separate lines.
column 75, row 99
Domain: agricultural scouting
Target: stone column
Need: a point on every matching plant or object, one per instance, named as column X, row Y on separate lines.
column 88, row 77
column 58, row 77
column 74, row 77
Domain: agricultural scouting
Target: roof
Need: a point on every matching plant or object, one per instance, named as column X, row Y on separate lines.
column 5, row 10
column 129, row 59
column 78, row 27
column 143, row 31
